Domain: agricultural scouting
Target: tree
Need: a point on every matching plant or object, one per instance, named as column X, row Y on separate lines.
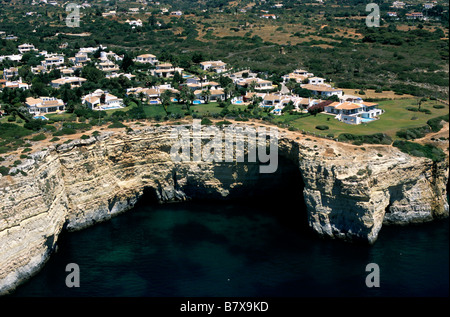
column 291, row 85
column 252, row 86
column 197, row 57
column 127, row 62
column 177, row 79
column 288, row 107
column 91, row 73
column 38, row 88
column 229, row 91
column 187, row 96
column 102, row 99
column 206, row 94
column 166, row 100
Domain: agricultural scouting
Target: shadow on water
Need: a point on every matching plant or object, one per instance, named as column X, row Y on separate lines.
column 250, row 245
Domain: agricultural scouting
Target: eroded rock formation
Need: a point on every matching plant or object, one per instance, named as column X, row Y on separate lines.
column 349, row 192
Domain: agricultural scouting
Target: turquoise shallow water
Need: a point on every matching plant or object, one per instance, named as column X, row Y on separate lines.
column 236, row 249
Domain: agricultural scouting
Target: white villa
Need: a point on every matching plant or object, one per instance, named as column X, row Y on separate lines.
column 80, row 58
column 354, row 112
column 10, row 72
column 73, row 81
column 323, row 90
column 316, row 81
column 166, row 70
column 299, row 75
column 14, row 84
column 55, row 60
column 258, row 83
column 102, row 100
column 106, row 56
column 44, row 105
column 146, row 59
column 216, row 66
column 137, row 22
column 108, row 66
column 26, row 48
column 214, row 94
column 280, row 101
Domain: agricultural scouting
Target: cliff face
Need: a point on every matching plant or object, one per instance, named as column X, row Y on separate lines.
column 349, row 192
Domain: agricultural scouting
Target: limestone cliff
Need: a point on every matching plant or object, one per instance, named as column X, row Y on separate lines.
column 349, row 192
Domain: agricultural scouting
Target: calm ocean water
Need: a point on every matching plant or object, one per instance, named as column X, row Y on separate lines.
column 236, row 249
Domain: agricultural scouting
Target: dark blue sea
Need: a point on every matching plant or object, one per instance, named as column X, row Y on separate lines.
column 233, row 249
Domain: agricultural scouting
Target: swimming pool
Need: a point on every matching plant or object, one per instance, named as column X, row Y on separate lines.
column 40, row 117
column 111, row 107
column 238, row 102
column 366, row 120
column 197, row 102
column 153, row 102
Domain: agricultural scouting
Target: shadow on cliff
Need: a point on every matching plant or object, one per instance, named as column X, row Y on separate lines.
column 280, row 193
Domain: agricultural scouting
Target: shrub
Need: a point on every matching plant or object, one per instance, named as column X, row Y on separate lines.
column 428, row 150
column 4, row 170
column 434, row 106
column 64, row 131
column 413, row 133
column 322, row 127
column 435, row 123
column 206, row 121
column 39, row 137
column 377, row 138
column 116, row 124
column 223, row 122
column 361, row 172
column 426, row 111
column 85, row 137
column 55, row 139
column 415, row 109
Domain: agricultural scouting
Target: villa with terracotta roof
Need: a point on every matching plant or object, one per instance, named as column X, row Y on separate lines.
column 259, row 84
column 13, row 84
column 166, row 70
column 146, row 59
column 216, row 66
column 73, row 81
column 215, row 94
column 102, row 100
column 11, row 72
column 44, row 105
column 355, row 112
column 323, row 90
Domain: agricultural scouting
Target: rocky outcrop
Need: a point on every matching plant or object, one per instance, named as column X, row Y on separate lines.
column 349, row 191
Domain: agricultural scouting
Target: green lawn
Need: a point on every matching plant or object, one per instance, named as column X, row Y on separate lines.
column 394, row 118
column 201, row 109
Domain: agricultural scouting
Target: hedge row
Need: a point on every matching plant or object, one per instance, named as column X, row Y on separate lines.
column 428, row 150
column 377, row 138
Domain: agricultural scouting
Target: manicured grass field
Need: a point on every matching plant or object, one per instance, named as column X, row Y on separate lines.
column 394, row 118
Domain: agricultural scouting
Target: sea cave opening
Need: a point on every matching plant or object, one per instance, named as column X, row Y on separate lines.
column 279, row 194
